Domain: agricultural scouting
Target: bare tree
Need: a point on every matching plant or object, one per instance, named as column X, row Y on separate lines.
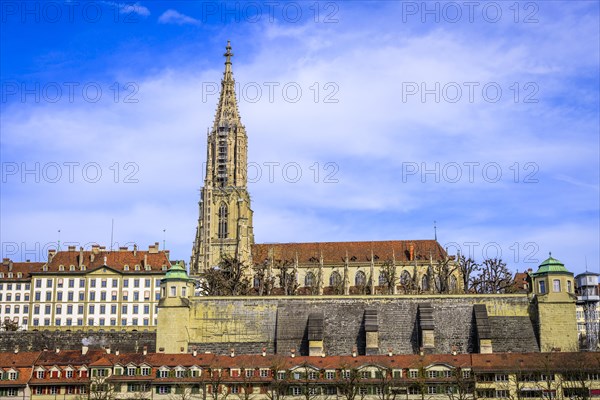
column 349, row 383
column 443, row 271
column 389, row 277
column 264, row 281
column 493, row 277
column 279, row 383
column 461, row 385
column 229, row 278
column 305, row 378
column 9, row 325
column 468, row 267
column 214, row 384
column 100, row 388
column 288, row 281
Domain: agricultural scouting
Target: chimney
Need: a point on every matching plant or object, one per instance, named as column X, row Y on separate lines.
column 117, row 352
column 232, row 352
column 411, row 251
column 80, row 257
column 51, row 254
column 264, row 351
column 134, row 249
column 168, row 254
column 57, row 350
column 108, row 350
column 161, row 349
column 5, row 261
column 71, row 248
column 195, row 352
column 84, row 350
column 95, row 249
column 293, row 351
column 102, row 248
column 123, row 248
column 390, row 353
column 145, row 260
column 92, row 257
column 145, row 350
column 354, row 352
column 16, row 349
column 153, row 249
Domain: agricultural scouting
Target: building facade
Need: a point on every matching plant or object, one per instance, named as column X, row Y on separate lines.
column 85, row 289
column 93, row 374
column 588, row 314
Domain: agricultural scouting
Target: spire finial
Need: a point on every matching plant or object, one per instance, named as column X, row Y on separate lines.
column 435, row 230
column 228, row 54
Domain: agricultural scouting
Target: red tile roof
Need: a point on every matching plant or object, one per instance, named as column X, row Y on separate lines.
column 336, row 252
column 24, row 268
column 116, row 260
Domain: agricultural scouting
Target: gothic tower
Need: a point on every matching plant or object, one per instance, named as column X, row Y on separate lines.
column 225, row 222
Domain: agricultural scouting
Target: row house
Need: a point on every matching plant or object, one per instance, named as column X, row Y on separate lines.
column 106, row 375
column 91, row 289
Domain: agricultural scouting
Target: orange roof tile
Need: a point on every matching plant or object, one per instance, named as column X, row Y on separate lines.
column 335, row 252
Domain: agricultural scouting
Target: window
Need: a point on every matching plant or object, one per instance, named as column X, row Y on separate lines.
column 48, row 309
column 82, row 282
column 163, row 374
column 69, row 374
column 146, row 309
column 145, row 371
column 556, row 285
column 38, row 296
column 59, row 296
column 124, row 309
column 147, row 283
column 569, row 287
column 41, row 374
column 113, row 309
column 466, row 374
column 102, row 309
column 38, row 283
column 103, row 283
column 12, row 376
column 70, row 296
column 125, row 282
column 432, row 374
column 136, row 296
column 92, row 296
column 296, row 391
column 136, row 283
column 309, row 279
column 329, row 375
column 102, row 296
column 81, row 296
column 59, row 309
column 366, row 374
column 542, row 285
column 413, row 373
column 136, row 309
column 222, row 230
column 501, row 378
column 92, row 309
column 48, row 296
column 80, row 309
column 115, row 283
column 264, row 373
column 71, row 283
column 130, row 371
column 234, row 389
column 173, row 291
column 335, row 279
column 360, row 279
column 249, row 373
column 93, row 282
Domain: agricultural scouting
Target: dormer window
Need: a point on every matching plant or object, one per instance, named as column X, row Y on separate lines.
column 164, row 267
column 10, row 274
column 71, row 267
column 19, row 275
column 82, row 268
column 137, row 267
column 61, row 267
column 126, row 267
column 45, row 268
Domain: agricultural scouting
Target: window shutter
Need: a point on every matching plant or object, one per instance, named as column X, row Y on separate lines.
column 158, row 390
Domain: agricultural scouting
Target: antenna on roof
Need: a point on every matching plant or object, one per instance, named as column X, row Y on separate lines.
column 586, row 266
column 164, row 238
column 435, row 230
column 112, row 228
column 58, row 243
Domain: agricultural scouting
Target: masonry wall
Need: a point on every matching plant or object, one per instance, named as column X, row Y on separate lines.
column 40, row 340
column 279, row 324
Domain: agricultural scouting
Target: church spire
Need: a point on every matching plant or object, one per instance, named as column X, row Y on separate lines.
column 227, row 109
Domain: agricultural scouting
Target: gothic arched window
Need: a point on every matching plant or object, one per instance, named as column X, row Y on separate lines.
column 425, row 283
column 222, row 234
column 335, row 279
column 453, row 284
column 383, row 279
column 360, row 279
column 309, row 279
column 405, row 278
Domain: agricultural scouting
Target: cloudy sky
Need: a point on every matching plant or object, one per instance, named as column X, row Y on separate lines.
column 366, row 121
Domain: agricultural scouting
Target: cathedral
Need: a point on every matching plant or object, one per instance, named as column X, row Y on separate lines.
column 225, row 229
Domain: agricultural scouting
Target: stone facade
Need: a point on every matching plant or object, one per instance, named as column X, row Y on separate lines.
column 281, row 324
column 68, row 340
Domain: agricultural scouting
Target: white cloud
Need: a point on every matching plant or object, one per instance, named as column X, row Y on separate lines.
column 175, row 17
column 130, row 8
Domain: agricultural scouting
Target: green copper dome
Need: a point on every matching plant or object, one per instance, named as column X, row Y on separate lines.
column 551, row 265
column 177, row 271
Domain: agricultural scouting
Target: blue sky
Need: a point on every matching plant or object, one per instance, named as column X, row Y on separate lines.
column 374, row 118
